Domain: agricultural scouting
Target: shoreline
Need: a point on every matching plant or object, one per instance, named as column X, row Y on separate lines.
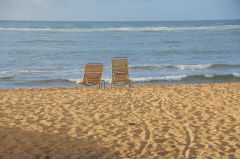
column 106, row 87
column 146, row 121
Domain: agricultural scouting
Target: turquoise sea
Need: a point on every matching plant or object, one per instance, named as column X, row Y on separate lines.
column 37, row 54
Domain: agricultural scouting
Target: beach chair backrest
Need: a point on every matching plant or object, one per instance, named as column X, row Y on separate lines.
column 92, row 73
column 119, row 68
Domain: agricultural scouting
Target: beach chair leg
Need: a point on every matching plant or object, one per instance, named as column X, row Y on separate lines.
column 76, row 86
column 110, row 85
column 131, row 83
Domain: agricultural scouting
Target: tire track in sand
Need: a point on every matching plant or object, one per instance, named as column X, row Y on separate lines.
column 189, row 134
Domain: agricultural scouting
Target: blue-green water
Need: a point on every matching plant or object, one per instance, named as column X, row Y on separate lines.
column 53, row 54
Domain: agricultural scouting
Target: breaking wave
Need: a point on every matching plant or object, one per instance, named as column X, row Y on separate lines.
column 183, row 67
column 128, row 29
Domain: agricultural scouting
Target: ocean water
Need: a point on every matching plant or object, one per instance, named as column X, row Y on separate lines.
column 37, row 54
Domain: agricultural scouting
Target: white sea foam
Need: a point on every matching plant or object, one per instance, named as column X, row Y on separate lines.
column 14, row 72
column 209, row 76
column 181, row 67
column 129, row 29
column 26, row 29
column 236, row 74
column 146, row 67
column 157, row 29
column 75, row 80
column 167, row 78
column 29, row 72
column 194, row 67
column 147, row 79
column 106, row 79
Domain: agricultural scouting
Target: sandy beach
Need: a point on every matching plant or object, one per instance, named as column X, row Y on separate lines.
column 150, row 121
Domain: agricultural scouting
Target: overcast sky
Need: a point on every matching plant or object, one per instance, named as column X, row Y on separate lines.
column 119, row 10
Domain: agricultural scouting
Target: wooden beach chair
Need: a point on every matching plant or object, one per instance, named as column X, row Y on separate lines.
column 120, row 73
column 92, row 76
